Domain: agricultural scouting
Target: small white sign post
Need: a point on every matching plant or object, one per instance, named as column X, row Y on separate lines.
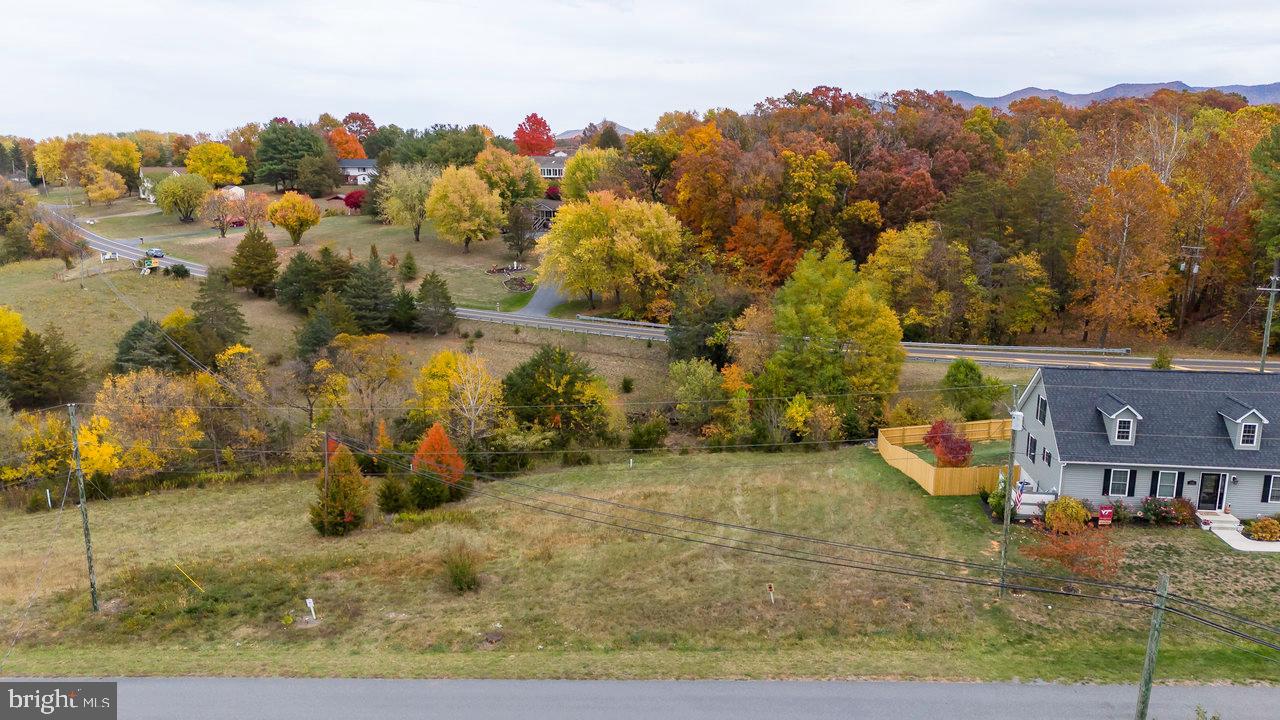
column 311, row 605
column 769, row 587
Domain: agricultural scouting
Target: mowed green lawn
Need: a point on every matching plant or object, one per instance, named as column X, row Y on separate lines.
column 561, row 597
column 995, row 452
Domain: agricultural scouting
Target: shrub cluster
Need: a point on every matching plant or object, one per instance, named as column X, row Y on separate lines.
column 1065, row 515
column 1266, row 529
column 950, row 447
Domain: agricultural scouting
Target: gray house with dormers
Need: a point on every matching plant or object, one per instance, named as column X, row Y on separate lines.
column 1112, row 435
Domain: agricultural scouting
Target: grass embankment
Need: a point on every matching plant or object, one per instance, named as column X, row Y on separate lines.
column 564, row 598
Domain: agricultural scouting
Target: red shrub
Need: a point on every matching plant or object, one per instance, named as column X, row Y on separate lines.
column 354, row 199
column 938, row 430
column 1089, row 553
column 553, row 192
column 953, row 451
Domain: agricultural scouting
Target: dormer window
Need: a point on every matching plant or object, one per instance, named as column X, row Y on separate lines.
column 1248, row 434
column 1124, row 430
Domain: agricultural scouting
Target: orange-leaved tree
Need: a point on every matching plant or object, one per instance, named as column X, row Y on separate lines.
column 1123, row 259
column 345, row 145
column 439, row 472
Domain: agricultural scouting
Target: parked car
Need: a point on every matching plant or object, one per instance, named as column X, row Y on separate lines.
column 236, row 222
column 155, row 253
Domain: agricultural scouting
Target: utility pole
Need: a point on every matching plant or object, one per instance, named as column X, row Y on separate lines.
column 1153, row 646
column 1190, row 266
column 1271, row 290
column 1015, row 424
column 84, row 506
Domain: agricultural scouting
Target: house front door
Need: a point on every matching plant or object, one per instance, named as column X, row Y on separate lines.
column 1210, row 491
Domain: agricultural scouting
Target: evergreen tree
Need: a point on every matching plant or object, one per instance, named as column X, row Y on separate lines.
column 315, row 334
column 218, row 315
column 144, row 345
column 609, row 138
column 339, row 314
column 299, row 285
column 408, row 268
column 255, row 264
column 370, row 294
column 334, row 270
column 435, row 307
column 342, row 495
column 45, row 370
column 404, row 311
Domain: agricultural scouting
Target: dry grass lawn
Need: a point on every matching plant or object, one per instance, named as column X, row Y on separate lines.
column 560, row 597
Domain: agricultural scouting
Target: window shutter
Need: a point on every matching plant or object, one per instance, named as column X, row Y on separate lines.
column 1266, row 487
column 1155, row 482
column 1178, row 492
column 1133, row 482
column 1106, row 482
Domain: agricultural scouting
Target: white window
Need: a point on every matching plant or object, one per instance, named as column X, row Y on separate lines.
column 1042, row 409
column 1166, row 484
column 1248, row 434
column 1124, row 430
column 1119, row 482
column 1275, row 489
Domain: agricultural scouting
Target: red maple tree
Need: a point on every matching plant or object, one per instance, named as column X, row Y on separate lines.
column 437, row 455
column 360, row 125
column 354, row 199
column 533, row 136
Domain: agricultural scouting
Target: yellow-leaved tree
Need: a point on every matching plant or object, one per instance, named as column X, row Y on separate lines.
column 151, row 416
column 216, row 163
column 296, row 213
column 11, row 329
column 1123, row 259
column 457, row 390
column 462, row 208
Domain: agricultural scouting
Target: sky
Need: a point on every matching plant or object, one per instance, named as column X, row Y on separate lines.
column 209, row 65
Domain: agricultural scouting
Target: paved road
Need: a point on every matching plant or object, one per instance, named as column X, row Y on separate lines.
column 924, row 352
column 126, row 249
column 354, row 699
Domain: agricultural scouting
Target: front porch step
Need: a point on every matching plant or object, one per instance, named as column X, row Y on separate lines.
column 1213, row 519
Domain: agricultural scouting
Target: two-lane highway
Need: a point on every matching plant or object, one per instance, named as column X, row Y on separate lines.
column 126, row 250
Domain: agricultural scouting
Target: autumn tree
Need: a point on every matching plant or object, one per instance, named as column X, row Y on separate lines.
column 255, row 263
column 372, row 374
column 103, row 185
column 342, row 495
column 439, row 472
column 216, row 163
column 11, row 330
column 117, row 155
column 252, row 208
column 618, row 245
column 182, row 195
column 402, row 195
column 462, row 208
column 359, row 124
column 584, row 169
column 761, row 248
column 519, row 236
column 1123, row 258
column 345, row 145
column 557, row 390
column 655, row 154
column 834, row 339
column 218, row 208
column 296, row 213
column 153, row 418
column 704, row 195
column 513, row 177
column 457, row 390
column 533, row 136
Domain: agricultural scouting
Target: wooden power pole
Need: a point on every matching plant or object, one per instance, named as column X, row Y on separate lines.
column 84, row 506
column 1015, row 424
column 1153, row 646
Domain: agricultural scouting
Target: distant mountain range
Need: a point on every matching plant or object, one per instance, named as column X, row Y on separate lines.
column 1256, row 94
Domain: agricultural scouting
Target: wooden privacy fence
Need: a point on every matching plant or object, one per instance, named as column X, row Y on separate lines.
column 936, row 480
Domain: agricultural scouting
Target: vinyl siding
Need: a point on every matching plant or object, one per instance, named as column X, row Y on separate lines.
column 1245, row 496
column 1045, row 477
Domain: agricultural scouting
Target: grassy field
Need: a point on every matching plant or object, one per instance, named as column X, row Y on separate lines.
column 560, row 597
column 995, row 452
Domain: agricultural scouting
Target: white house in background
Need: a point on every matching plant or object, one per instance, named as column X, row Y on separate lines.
column 551, row 167
column 358, row 171
column 1117, row 436
column 234, row 192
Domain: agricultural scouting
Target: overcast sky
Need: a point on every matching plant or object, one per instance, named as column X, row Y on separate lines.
column 189, row 65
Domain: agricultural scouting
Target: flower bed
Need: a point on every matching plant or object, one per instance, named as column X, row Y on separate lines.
column 517, row 284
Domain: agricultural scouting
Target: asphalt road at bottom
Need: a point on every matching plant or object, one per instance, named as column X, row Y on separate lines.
column 364, row 699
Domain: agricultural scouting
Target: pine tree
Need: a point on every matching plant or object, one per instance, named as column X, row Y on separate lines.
column 342, row 495
column 218, row 314
column 299, row 285
column 255, row 264
column 144, row 345
column 404, row 311
column 370, row 295
column 315, row 335
column 45, row 370
column 408, row 268
column 435, row 307
column 339, row 314
column 334, row 270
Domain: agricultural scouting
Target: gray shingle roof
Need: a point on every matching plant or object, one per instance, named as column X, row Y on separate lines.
column 1110, row 404
column 1181, row 423
column 362, row 163
column 549, row 161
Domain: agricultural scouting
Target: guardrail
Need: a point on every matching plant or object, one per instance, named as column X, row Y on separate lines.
column 546, row 324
